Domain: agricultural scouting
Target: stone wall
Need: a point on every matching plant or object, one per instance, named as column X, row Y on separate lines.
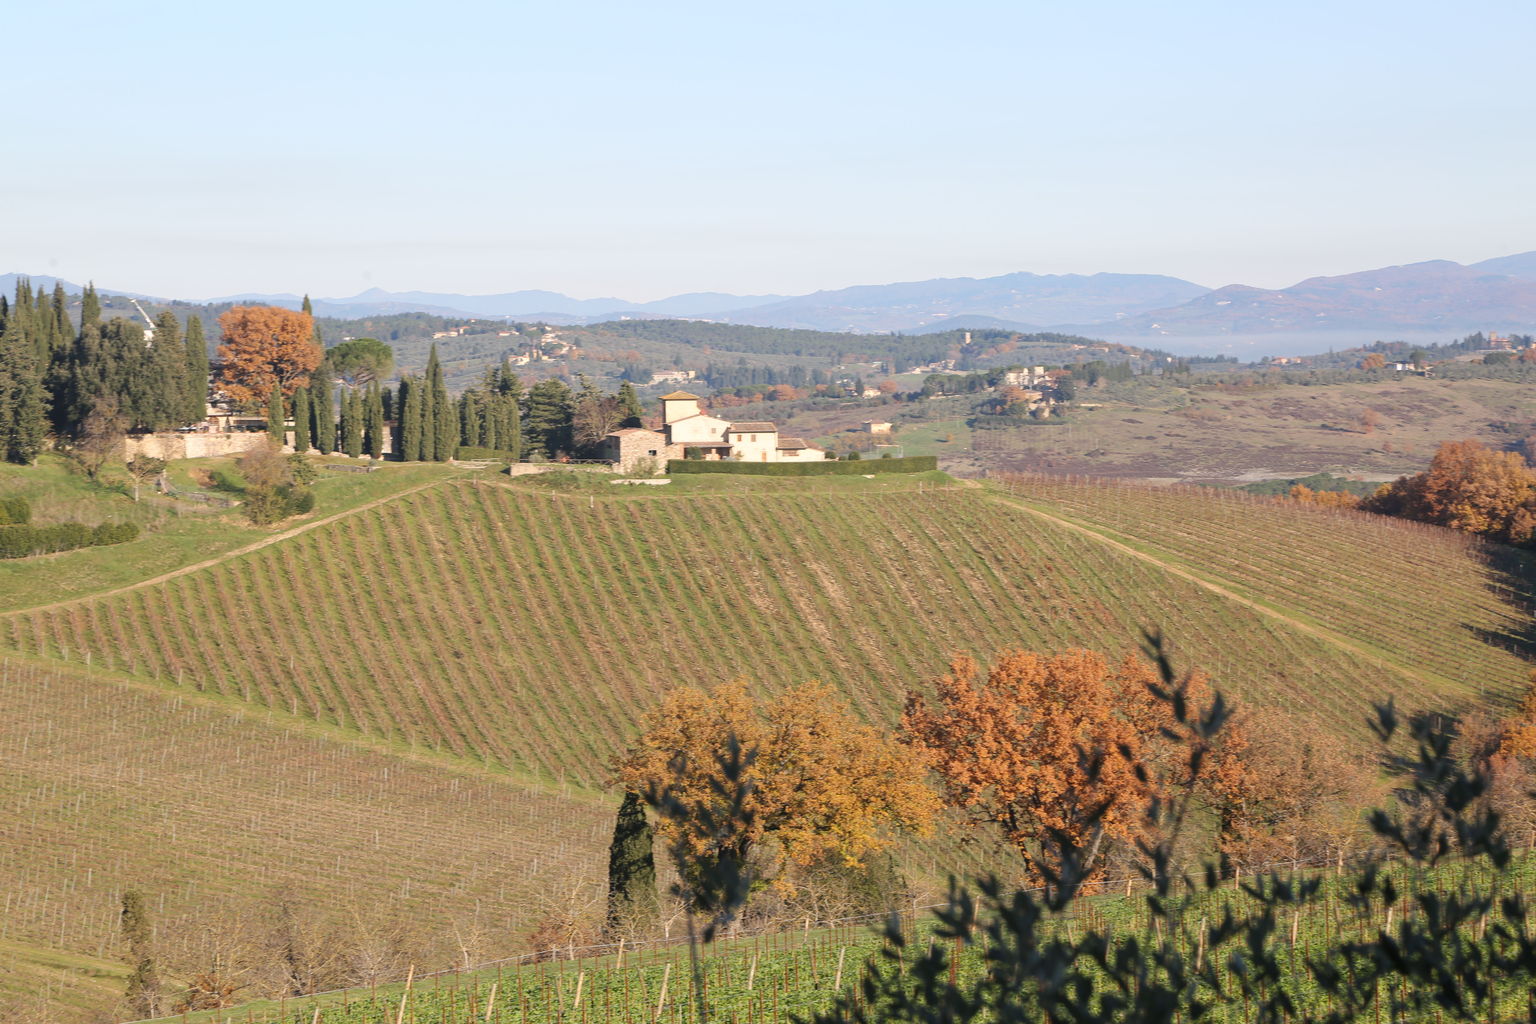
column 191, row 445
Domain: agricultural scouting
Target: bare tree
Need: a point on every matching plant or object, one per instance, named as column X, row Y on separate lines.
column 100, row 439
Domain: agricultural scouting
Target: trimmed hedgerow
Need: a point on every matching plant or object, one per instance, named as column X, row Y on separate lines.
column 910, row 464
column 23, row 541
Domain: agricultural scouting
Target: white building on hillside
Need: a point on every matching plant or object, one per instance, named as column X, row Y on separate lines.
column 687, row 431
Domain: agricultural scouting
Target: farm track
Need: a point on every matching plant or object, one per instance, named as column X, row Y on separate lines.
column 1326, row 635
column 209, row 563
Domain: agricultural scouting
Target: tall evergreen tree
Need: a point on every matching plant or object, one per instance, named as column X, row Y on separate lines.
column 196, row 356
column 509, row 412
column 412, row 419
column 629, row 405
column 143, row 993
column 301, row 420
column 442, row 416
column 547, row 428
column 322, row 407
column 277, row 425
column 167, row 362
column 23, row 360
column 632, row 899
column 374, row 422
column 352, row 406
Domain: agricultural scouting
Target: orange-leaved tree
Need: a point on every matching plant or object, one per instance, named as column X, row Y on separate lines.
column 1051, row 749
column 823, row 783
column 265, row 346
column 1467, row 487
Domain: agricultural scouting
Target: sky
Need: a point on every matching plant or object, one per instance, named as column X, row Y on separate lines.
column 642, row 150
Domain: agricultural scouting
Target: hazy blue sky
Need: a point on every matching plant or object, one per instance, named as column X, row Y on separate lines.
column 643, row 149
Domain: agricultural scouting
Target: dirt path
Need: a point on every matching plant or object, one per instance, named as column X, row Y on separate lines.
column 1319, row 632
column 226, row 556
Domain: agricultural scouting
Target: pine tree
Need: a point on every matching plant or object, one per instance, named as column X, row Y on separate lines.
column 167, row 359
column 374, row 422
column 631, row 870
column 550, row 410
column 277, row 426
column 301, row 417
column 143, row 993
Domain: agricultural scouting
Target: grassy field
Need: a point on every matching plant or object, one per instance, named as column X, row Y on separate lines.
column 176, row 533
column 1215, row 429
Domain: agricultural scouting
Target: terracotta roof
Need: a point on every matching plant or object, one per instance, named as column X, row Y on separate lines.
column 791, row 442
column 680, row 395
column 626, row 431
column 758, row 427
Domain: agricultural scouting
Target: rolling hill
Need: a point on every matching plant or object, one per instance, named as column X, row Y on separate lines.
column 412, row 706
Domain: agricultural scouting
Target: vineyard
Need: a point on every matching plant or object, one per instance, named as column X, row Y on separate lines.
column 784, row 977
column 424, row 620
column 216, row 808
column 1424, row 597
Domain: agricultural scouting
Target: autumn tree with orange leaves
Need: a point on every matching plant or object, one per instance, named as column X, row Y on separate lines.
column 1469, row 487
column 823, row 783
column 265, row 346
column 1048, row 748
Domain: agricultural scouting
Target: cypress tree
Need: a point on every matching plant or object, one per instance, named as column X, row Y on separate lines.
column 301, row 420
column 323, row 409
column 167, row 359
column 411, row 420
column 353, row 409
column 277, row 426
column 631, row 870
column 143, row 993
column 510, row 430
column 374, row 422
column 629, row 405
column 23, row 406
column 441, row 419
column 197, row 371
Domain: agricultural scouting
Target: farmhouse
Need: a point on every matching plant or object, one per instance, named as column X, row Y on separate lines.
column 689, row 432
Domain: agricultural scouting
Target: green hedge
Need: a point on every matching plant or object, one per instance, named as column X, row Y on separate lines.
column 15, row 511
column 859, row 467
column 25, row 541
column 465, row 452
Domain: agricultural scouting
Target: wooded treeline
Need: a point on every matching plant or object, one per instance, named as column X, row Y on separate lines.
column 53, row 375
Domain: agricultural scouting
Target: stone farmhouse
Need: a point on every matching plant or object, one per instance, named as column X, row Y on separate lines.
column 689, row 432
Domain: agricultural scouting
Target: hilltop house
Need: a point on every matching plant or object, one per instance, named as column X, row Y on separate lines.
column 689, row 432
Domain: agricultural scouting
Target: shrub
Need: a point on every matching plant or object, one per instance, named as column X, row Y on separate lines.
column 910, row 464
column 24, row 540
column 15, row 511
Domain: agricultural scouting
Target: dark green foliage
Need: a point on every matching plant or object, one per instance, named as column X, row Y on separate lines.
column 15, row 511
column 301, row 420
column 409, row 430
column 353, row 413
column 631, row 870
column 322, row 409
column 195, row 352
column 629, row 405
column 547, row 427
column 440, row 425
column 373, row 422
column 24, row 358
column 359, row 362
column 143, row 992
column 910, row 464
column 1316, row 482
column 277, row 420
column 25, row 541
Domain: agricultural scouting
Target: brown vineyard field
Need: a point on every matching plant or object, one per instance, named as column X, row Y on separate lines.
column 528, row 630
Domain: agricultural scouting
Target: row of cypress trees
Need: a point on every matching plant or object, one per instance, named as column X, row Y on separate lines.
column 53, row 375
column 357, row 428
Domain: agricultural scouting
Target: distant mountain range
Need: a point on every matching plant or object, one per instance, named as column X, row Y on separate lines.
column 1437, row 297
